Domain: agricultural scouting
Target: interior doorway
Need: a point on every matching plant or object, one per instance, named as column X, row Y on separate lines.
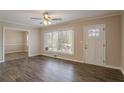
column 15, row 44
column 94, row 44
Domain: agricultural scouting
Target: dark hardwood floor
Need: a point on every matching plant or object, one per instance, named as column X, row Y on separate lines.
column 46, row 69
column 15, row 55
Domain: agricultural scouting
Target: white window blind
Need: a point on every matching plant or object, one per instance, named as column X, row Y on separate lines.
column 59, row 41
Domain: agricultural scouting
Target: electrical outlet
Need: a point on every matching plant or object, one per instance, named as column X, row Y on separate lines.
column 55, row 55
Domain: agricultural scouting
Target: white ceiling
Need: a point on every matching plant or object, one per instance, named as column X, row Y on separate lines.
column 23, row 16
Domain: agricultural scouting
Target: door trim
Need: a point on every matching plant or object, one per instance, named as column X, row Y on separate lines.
column 104, row 40
column 12, row 28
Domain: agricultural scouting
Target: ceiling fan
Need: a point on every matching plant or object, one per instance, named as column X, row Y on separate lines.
column 46, row 19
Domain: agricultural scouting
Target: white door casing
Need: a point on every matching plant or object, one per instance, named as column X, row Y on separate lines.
column 94, row 44
column 18, row 29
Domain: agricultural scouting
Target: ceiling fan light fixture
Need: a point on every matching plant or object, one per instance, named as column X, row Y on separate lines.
column 46, row 19
column 49, row 22
column 46, row 22
column 46, row 16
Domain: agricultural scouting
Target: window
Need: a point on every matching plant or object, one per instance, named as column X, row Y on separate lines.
column 59, row 41
column 93, row 32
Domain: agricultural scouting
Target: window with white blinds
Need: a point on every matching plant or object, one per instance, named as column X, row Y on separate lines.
column 59, row 41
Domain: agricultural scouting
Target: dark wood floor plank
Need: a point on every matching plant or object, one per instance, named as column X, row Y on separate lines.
column 15, row 55
column 46, row 69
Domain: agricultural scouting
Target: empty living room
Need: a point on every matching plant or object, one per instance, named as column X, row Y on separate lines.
column 61, row 46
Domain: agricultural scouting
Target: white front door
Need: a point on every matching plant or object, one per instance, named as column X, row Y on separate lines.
column 94, row 44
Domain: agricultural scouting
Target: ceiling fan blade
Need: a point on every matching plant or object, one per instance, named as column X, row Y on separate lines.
column 36, row 18
column 41, row 23
column 57, row 19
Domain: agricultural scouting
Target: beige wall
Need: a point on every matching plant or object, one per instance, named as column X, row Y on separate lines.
column 34, row 38
column 15, row 41
column 113, row 37
column 122, row 57
column 1, row 46
column 34, row 42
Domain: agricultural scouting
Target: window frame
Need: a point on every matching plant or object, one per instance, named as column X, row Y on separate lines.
column 59, row 52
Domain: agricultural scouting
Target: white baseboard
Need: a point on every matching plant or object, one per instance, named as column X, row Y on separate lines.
column 114, row 67
column 122, row 70
column 63, row 58
column 108, row 66
column 15, row 51
column 31, row 55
